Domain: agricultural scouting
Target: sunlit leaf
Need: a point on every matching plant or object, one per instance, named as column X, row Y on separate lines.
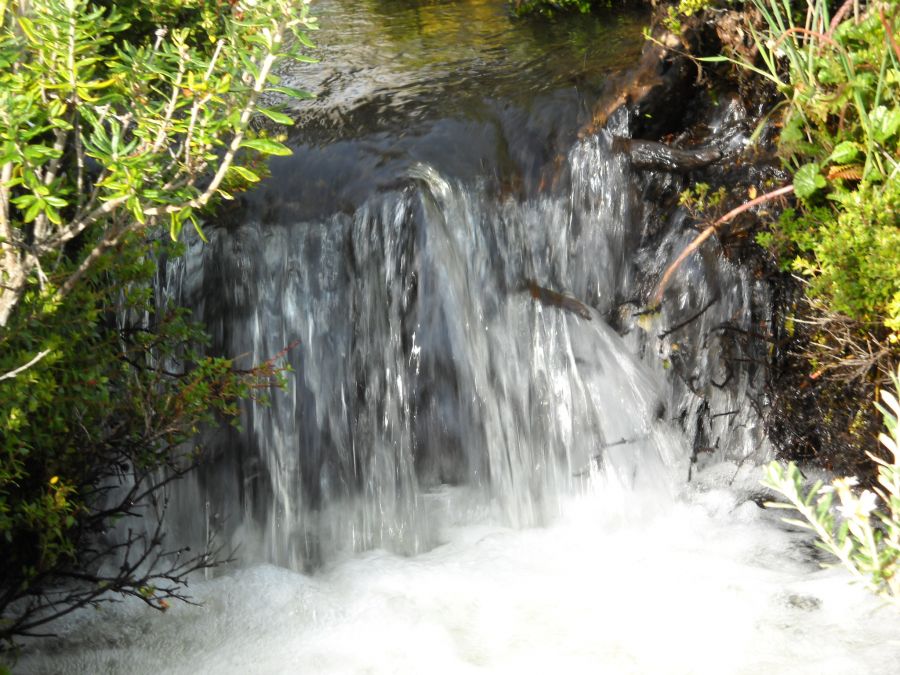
column 298, row 94
column 267, row 146
column 276, row 116
column 808, row 180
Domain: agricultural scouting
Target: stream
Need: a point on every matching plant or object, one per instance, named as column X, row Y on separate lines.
column 487, row 458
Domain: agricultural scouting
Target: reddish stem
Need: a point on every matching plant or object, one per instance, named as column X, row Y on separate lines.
column 888, row 32
column 835, row 22
column 707, row 233
column 804, row 31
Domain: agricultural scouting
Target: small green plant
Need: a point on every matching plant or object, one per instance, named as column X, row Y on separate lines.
column 684, row 9
column 860, row 528
column 840, row 137
column 700, row 199
column 550, row 7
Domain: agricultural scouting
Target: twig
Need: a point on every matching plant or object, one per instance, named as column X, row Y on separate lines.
column 708, row 232
column 809, row 33
column 12, row 373
column 835, row 22
column 888, row 32
column 684, row 323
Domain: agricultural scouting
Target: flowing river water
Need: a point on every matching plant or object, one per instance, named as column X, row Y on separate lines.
column 484, row 461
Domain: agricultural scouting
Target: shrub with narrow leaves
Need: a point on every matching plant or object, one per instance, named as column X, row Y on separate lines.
column 119, row 123
column 861, row 528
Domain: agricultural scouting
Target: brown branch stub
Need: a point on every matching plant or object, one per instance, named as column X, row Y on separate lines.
column 707, row 233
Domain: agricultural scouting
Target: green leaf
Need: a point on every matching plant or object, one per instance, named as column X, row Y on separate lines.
column 53, row 215
column 844, row 153
column 808, row 180
column 134, row 205
column 798, row 523
column 276, row 116
column 196, row 224
column 885, row 123
column 298, row 94
column 244, row 173
column 28, row 28
column 175, row 223
column 33, row 210
column 267, row 146
column 58, row 202
column 303, row 38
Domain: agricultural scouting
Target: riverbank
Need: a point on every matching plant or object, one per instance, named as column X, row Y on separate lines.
column 831, row 266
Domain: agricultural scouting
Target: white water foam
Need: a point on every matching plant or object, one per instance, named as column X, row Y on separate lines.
column 623, row 582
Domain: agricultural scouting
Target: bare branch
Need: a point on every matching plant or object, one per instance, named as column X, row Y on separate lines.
column 170, row 107
column 708, row 232
column 689, row 320
column 12, row 373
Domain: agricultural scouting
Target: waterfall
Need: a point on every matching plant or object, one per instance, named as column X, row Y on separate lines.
column 476, row 380
column 423, row 360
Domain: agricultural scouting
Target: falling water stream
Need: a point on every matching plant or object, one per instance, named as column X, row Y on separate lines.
column 482, row 462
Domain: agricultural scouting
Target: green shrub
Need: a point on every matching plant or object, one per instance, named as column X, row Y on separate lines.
column 861, row 528
column 684, row 9
column 550, row 7
column 841, row 138
column 119, row 123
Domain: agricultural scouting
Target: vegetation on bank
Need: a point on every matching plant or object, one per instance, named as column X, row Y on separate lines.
column 839, row 75
column 548, row 7
column 836, row 71
column 859, row 528
column 551, row 7
column 120, row 122
column 837, row 78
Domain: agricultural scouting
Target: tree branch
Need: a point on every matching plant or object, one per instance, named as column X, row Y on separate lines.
column 707, row 233
column 12, row 373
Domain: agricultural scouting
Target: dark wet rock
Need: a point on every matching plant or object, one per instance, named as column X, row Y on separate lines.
column 655, row 91
column 661, row 157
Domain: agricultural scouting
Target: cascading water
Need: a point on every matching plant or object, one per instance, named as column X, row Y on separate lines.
column 488, row 457
column 425, row 360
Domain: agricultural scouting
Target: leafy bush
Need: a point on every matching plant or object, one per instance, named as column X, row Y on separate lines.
column 684, row 9
column 100, row 126
column 862, row 530
column 841, row 136
column 91, row 435
column 850, row 252
column 119, row 123
column 549, row 7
